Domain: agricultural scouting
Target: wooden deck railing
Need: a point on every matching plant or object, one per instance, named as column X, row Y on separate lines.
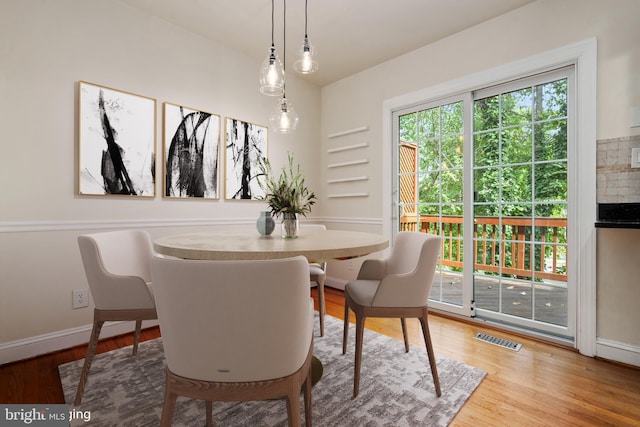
column 501, row 246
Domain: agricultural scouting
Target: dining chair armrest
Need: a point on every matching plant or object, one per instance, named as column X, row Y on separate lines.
column 373, row 269
column 401, row 290
column 123, row 293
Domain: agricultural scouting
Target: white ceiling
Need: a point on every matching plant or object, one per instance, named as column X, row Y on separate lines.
column 350, row 35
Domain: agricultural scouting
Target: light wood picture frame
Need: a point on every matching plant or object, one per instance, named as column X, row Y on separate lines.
column 245, row 151
column 116, row 142
column 191, row 150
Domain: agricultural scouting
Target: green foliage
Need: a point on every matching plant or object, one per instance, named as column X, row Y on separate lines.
column 287, row 193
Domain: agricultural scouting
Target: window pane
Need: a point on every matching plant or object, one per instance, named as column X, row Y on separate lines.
column 516, row 183
column 551, row 100
column 552, row 211
column 452, row 119
column 429, row 123
column 429, row 156
column 453, row 210
column 486, row 113
column 486, row 214
column 429, row 209
column 452, row 186
column 429, row 187
column 517, row 298
column 551, row 181
column 516, row 107
column 551, row 304
column 452, row 152
column 550, row 140
column 516, row 145
column 408, row 128
column 486, row 185
column 486, row 150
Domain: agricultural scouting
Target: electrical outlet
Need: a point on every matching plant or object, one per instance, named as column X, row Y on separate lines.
column 350, row 264
column 635, row 157
column 80, row 298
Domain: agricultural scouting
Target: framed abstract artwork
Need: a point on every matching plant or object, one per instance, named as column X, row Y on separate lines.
column 116, row 142
column 245, row 151
column 191, row 152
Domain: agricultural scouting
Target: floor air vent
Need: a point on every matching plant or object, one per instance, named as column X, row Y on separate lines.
column 498, row 341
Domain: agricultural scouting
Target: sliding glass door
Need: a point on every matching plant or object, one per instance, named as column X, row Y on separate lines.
column 488, row 172
column 520, row 188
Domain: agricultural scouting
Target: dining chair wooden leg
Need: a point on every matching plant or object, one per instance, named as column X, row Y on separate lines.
column 345, row 335
column 307, row 399
column 321, row 306
column 430, row 354
column 91, row 351
column 358, row 357
column 293, row 408
column 136, row 336
column 403, row 321
column 169, row 405
column 209, row 409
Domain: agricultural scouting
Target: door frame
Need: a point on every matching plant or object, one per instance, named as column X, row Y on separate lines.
column 581, row 262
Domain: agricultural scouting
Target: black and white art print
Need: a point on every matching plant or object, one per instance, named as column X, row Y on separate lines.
column 246, row 149
column 117, row 138
column 191, row 147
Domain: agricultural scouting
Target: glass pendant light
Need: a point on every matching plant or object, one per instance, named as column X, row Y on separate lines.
column 306, row 64
column 284, row 118
column 272, row 69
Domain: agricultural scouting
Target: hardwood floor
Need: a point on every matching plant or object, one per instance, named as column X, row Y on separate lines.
column 541, row 385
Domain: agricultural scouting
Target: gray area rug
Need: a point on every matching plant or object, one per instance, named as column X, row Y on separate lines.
column 396, row 388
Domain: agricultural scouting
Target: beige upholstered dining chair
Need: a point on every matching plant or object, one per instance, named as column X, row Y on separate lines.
column 235, row 331
column 118, row 269
column 318, row 274
column 397, row 286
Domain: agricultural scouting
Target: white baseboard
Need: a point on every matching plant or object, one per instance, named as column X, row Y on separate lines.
column 61, row 340
column 617, row 351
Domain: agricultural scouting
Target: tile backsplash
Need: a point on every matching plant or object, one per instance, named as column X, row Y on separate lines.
column 617, row 181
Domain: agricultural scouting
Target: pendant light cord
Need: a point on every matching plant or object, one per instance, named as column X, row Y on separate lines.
column 284, row 50
column 306, row 4
column 272, row 23
column 284, row 35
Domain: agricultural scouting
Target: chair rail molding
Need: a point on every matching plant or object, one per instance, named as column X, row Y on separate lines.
column 35, row 226
column 28, row 226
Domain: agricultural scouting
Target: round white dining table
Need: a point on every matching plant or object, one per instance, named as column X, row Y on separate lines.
column 315, row 245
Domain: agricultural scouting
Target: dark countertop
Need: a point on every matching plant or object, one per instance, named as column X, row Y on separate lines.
column 618, row 215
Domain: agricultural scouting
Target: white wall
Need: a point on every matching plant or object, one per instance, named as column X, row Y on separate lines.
column 539, row 27
column 46, row 47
